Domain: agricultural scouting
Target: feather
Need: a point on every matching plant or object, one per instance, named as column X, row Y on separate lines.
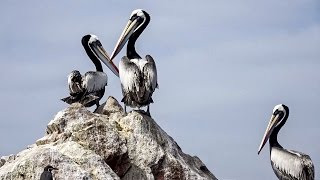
column 138, row 80
column 94, row 81
column 74, row 82
column 291, row 165
column 150, row 74
column 129, row 75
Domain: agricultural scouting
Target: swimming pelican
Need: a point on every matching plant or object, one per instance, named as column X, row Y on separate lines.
column 89, row 88
column 286, row 164
column 138, row 76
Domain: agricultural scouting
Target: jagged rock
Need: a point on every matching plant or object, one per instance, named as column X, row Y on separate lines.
column 104, row 145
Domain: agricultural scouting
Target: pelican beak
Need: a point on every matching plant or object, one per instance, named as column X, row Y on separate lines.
column 272, row 123
column 125, row 35
column 101, row 53
column 55, row 168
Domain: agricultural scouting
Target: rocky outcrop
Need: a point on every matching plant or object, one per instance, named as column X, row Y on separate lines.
column 104, row 145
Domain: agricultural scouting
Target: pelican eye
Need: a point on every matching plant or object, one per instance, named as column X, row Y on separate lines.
column 133, row 17
column 98, row 43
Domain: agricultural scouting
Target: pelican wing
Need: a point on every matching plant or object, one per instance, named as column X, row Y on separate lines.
column 292, row 165
column 94, row 81
column 130, row 76
column 150, row 74
column 308, row 168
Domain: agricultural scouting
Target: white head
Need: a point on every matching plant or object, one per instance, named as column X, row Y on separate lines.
column 93, row 38
column 138, row 12
column 279, row 107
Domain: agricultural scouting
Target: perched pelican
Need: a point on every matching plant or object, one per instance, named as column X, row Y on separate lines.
column 286, row 164
column 89, row 88
column 46, row 174
column 138, row 76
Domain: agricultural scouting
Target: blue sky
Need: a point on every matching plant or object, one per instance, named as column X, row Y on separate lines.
column 222, row 67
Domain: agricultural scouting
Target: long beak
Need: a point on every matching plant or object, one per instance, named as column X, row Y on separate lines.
column 272, row 123
column 101, row 53
column 125, row 35
column 55, row 168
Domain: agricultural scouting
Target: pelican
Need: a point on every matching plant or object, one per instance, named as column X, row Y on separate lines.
column 286, row 164
column 138, row 75
column 89, row 88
